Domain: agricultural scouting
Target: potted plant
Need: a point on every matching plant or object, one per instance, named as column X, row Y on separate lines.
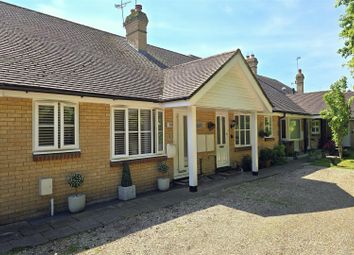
column 126, row 190
column 76, row 202
column 246, row 163
column 263, row 133
column 163, row 183
column 265, row 158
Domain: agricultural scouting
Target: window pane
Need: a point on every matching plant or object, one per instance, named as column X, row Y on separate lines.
column 145, row 139
column 237, row 122
column 160, row 121
column 242, row 134
column 133, row 120
column 218, row 130
column 119, row 144
column 248, row 137
column 46, row 136
column 223, row 130
column 69, row 135
column 237, row 137
column 160, row 131
column 294, row 129
column 119, row 120
column 45, row 125
column 145, row 120
column 133, row 144
column 247, row 122
column 69, row 115
column 283, row 129
column 69, row 125
column 242, row 122
column 46, row 114
column 119, row 134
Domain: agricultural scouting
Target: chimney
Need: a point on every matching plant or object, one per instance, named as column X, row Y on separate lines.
column 135, row 25
column 300, row 82
column 252, row 62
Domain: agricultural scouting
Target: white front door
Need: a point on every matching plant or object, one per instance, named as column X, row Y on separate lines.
column 181, row 141
column 222, row 140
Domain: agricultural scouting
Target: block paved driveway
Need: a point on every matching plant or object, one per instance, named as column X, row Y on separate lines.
column 292, row 209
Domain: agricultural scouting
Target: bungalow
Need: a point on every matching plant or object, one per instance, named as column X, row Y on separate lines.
column 74, row 98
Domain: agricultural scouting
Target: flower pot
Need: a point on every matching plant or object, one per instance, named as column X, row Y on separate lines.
column 76, row 203
column 163, row 183
column 126, row 193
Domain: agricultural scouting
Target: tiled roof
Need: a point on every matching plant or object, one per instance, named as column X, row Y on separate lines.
column 278, row 96
column 39, row 52
column 184, row 80
column 313, row 102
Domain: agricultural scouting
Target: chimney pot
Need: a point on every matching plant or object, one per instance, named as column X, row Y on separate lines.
column 138, row 7
column 136, row 26
column 253, row 63
column 300, row 82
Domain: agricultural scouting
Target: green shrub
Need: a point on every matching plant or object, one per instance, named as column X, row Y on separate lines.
column 75, row 180
column 279, row 154
column 126, row 176
column 266, row 154
column 246, row 163
column 163, row 167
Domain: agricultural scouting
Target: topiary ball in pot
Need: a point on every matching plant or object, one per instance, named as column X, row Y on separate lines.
column 126, row 190
column 76, row 202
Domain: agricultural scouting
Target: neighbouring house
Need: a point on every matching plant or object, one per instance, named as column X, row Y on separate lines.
column 74, row 98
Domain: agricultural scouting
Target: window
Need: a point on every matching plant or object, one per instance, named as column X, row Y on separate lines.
column 294, row 129
column 268, row 126
column 283, row 128
column 56, row 126
column 137, row 132
column 316, row 127
column 242, row 130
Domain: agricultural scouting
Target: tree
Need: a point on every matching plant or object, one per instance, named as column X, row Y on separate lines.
column 346, row 22
column 337, row 112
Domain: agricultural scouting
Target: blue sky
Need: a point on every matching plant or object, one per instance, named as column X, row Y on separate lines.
column 276, row 31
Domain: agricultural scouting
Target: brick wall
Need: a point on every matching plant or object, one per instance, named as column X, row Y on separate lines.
column 19, row 173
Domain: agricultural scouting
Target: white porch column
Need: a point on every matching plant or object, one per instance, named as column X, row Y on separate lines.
column 192, row 148
column 254, row 143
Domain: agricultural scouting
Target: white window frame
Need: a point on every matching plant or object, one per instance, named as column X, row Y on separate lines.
column 271, row 125
column 76, row 126
column 55, row 147
column 318, row 127
column 239, row 130
column 139, row 155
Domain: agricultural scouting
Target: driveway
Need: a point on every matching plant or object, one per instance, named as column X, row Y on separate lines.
column 304, row 211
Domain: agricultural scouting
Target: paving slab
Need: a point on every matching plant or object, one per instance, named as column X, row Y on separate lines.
column 59, row 233
column 29, row 241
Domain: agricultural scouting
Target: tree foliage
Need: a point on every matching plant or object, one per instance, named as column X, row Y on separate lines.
column 346, row 22
column 126, row 176
column 337, row 112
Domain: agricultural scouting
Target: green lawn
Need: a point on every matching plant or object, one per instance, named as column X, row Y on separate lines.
column 347, row 162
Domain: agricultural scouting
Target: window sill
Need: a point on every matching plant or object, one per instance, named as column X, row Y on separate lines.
column 118, row 162
column 54, row 155
column 243, row 148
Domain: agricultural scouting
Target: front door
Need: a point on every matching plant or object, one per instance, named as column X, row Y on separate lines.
column 222, row 140
column 181, row 141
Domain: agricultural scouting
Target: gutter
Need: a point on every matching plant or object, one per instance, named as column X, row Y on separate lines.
column 71, row 93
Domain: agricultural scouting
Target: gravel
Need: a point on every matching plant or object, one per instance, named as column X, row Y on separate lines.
column 307, row 211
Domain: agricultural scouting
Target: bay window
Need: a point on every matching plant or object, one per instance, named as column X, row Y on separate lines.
column 55, row 126
column 242, row 130
column 137, row 132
